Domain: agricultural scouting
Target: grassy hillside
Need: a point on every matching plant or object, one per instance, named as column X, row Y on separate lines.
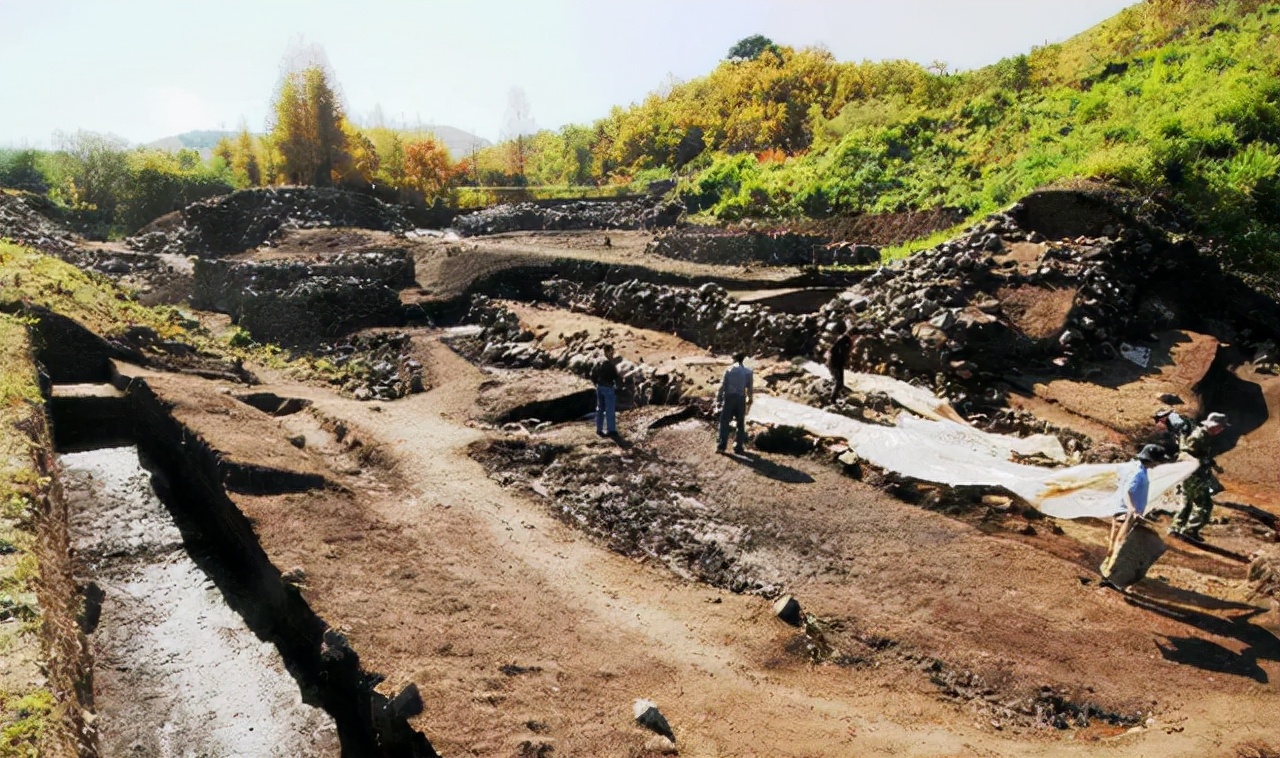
column 1176, row 99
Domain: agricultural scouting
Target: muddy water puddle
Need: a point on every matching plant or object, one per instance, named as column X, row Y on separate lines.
column 177, row 671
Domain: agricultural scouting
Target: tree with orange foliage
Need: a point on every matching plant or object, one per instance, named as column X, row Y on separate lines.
column 427, row 167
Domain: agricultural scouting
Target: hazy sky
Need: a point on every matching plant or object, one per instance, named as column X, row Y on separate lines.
column 145, row 69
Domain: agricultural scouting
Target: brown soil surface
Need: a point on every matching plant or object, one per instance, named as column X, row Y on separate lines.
column 1037, row 312
column 301, row 243
column 520, row 629
column 883, row 228
column 1123, row 396
column 1251, row 468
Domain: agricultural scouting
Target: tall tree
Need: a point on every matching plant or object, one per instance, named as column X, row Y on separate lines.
column 427, row 167
column 244, row 161
column 309, row 127
column 92, row 169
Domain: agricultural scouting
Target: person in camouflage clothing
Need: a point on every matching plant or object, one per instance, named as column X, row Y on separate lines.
column 1199, row 488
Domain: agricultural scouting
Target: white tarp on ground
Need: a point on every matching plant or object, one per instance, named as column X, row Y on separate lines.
column 947, row 452
column 924, row 403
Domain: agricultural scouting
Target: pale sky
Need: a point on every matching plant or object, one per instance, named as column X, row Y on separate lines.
column 146, row 69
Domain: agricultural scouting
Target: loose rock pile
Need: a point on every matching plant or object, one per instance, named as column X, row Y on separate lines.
column 1002, row 299
column 737, row 247
column 706, row 315
column 646, row 507
column 645, row 213
column 503, row 343
column 23, row 220
column 377, row 366
column 246, row 219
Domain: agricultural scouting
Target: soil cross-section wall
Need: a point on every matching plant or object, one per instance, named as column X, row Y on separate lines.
column 45, row 687
column 735, row 247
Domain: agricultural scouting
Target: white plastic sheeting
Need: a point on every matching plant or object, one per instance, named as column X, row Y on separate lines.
column 952, row 453
column 920, row 401
column 924, row 403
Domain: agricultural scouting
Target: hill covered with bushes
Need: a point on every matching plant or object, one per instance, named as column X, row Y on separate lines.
column 1178, row 100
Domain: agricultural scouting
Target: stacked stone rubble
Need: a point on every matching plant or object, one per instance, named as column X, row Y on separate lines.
column 503, row 343
column 738, row 247
column 246, row 219
column 220, row 284
column 300, row 303
column 643, row 213
column 707, row 316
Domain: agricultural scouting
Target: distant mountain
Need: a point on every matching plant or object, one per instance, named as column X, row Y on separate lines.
column 199, row 140
column 460, row 143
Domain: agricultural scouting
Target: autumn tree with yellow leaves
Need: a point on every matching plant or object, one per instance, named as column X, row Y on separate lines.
column 313, row 141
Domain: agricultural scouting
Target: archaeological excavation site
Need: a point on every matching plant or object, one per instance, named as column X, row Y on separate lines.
column 291, row 472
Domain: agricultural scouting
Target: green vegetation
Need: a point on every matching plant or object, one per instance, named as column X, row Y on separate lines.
column 24, row 707
column 1178, row 100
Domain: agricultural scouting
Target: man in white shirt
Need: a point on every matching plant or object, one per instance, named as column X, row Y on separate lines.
column 735, row 400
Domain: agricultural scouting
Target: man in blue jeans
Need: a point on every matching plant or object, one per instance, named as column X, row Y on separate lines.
column 605, row 375
column 735, row 400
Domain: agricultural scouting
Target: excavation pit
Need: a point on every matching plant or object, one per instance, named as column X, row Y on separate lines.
column 199, row 642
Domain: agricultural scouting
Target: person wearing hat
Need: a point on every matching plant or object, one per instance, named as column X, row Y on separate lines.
column 1131, row 495
column 1199, row 488
column 734, row 399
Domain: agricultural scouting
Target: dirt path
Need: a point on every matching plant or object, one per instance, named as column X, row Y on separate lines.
column 484, row 578
column 594, row 631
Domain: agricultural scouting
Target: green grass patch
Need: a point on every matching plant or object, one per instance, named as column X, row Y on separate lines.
column 910, row 247
column 24, row 719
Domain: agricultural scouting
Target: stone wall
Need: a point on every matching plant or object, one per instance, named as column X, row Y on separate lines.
column 737, row 247
column 643, row 213
column 503, row 343
column 299, row 303
column 706, row 316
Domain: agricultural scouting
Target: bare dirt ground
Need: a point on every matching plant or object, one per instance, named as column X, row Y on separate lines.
column 524, row 634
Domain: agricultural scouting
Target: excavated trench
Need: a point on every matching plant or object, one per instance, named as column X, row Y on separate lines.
column 199, row 643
